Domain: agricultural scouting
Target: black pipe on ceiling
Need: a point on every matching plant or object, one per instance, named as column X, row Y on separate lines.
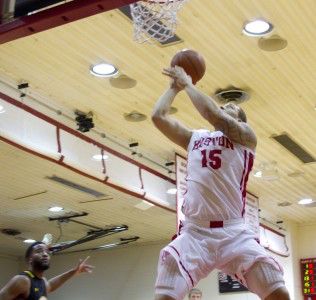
column 23, row 7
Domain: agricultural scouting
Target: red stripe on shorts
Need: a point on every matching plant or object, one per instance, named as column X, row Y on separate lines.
column 181, row 264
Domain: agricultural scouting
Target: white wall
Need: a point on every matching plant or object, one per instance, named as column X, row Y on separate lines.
column 295, row 242
column 9, row 267
column 307, row 241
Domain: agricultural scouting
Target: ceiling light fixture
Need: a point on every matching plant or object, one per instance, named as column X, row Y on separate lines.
column 172, row 191
column 257, row 28
column 29, row 241
column 258, row 174
column 99, row 157
column 2, row 110
column 103, row 70
column 305, row 201
column 56, row 209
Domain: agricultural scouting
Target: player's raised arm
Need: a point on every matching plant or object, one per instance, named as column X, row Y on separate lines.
column 170, row 127
column 58, row 281
column 230, row 119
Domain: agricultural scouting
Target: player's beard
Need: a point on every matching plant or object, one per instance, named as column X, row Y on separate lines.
column 40, row 266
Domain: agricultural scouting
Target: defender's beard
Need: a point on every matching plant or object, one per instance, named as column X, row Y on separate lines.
column 40, row 266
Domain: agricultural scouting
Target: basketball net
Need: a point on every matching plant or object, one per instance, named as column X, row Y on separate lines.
column 155, row 19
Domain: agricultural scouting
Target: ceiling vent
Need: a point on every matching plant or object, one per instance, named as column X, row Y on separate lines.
column 76, row 186
column 232, row 95
column 290, row 145
column 11, row 232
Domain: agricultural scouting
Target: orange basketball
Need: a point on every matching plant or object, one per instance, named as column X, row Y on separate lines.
column 192, row 62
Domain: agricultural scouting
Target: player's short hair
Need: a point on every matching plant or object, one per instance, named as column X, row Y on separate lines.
column 195, row 291
column 29, row 250
column 242, row 115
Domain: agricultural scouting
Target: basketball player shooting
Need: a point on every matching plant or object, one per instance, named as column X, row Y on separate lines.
column 214, row 234
column 31, row 284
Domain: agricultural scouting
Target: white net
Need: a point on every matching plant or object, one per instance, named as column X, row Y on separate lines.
column 155, row 19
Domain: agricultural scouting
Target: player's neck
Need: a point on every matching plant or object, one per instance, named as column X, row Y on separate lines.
column 37, row 273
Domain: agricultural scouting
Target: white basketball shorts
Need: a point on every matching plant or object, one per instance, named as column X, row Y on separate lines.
column 233, row 249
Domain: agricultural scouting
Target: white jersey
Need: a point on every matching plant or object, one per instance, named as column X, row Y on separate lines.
column 217, row 175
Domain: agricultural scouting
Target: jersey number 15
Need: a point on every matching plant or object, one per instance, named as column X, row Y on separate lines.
column 211, row 158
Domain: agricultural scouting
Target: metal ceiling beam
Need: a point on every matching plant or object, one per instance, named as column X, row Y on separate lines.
column 56, row 16
column 24, row 7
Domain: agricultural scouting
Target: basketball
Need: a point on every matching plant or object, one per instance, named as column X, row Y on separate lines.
column 192, row 62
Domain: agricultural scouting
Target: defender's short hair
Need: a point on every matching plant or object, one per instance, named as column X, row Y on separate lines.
column 195, row 291
column 29, row 250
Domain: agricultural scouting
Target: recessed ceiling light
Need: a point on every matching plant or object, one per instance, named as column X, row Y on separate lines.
column 258, row 174
column 56, row 209
column 29, row 241
column 103, row 70
column 2, row 110
column 172, row 191
column 305, row 201
column 99, row 157
column 257, row 28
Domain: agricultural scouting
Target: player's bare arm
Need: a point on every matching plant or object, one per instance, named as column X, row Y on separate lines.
column 56, row 282
column 238, row 132
column 170, row 127
column 18, row 286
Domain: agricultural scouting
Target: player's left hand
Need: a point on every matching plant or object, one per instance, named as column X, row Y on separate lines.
column 181, row 78
column 83, row 267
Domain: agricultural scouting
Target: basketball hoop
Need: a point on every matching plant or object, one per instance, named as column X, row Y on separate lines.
column 155, row 19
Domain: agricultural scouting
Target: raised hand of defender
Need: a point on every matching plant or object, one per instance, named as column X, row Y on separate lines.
column 82, row 267
column 180, row 78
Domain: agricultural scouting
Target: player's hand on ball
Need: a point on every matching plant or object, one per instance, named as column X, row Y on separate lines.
column 181, row 78
column 174, row 85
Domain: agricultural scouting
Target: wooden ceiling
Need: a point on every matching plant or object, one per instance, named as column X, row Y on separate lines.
column 27, row 193
column 56, row 64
